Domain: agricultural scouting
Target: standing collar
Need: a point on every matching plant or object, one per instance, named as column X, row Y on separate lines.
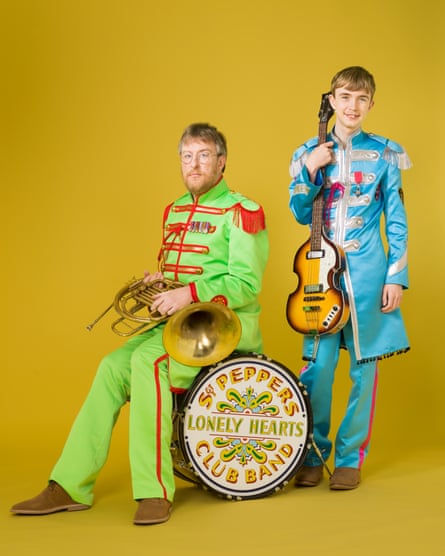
column 217, row 190
column 337, row 139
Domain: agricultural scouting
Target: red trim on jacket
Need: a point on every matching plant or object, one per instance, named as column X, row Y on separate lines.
column 159, row 422
column 192, row 286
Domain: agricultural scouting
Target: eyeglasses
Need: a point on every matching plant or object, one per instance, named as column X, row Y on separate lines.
column 202, row 156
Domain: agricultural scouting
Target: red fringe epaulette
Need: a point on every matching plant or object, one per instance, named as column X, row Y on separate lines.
column 251, row 221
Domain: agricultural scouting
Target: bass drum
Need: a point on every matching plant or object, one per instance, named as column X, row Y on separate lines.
column 243, row 429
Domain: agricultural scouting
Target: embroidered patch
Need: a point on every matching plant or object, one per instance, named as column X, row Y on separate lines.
column 222, row 299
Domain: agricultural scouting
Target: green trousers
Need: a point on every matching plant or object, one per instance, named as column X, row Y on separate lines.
column 140, row 372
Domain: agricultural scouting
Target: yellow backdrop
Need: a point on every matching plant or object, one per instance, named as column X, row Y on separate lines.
column 95, row 95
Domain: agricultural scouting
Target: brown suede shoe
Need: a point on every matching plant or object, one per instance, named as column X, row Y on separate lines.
column 309, row 476
column 344, row 478
column 52, row 499
column 151, row 511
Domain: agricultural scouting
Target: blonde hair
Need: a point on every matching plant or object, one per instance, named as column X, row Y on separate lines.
column 207, row 133
column 354, row 78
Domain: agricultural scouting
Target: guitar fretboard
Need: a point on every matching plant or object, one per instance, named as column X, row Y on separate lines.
column 325, row 114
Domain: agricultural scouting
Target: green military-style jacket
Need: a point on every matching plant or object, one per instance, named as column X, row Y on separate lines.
column 218, row 244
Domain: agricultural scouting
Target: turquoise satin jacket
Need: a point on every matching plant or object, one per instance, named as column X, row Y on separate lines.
column 362, row 185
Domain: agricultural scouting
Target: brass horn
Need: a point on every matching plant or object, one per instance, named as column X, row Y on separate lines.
column 132, row 303
column 202, row 334
column 198, row 335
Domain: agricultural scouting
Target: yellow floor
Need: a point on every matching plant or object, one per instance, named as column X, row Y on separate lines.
column 398, row 509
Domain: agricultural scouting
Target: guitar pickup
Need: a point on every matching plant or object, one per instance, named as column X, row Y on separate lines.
column 311, row 308
column 316, row 254
column 313, row 288
column 311, row 298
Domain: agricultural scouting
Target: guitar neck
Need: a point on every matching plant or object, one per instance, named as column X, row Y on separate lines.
column 317, row 222
column 317, row 205
column 322, row 132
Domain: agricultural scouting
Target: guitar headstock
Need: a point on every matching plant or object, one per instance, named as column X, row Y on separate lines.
column 326, row 111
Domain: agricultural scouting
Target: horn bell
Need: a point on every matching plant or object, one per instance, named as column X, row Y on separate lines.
column 202, row 334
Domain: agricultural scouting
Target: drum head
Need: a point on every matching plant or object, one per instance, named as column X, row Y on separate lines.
column 245, row 427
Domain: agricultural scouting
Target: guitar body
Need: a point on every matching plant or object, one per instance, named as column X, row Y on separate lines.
column 318, row 305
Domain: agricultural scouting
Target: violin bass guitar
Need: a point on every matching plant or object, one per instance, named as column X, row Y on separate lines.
column 318, row 305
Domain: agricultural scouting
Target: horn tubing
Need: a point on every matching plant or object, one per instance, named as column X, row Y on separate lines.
column 181, row 336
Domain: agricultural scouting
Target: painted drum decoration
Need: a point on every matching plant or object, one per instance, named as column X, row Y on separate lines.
column 243, row 428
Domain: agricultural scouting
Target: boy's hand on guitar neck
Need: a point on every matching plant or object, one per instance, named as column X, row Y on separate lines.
column 320, row 157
